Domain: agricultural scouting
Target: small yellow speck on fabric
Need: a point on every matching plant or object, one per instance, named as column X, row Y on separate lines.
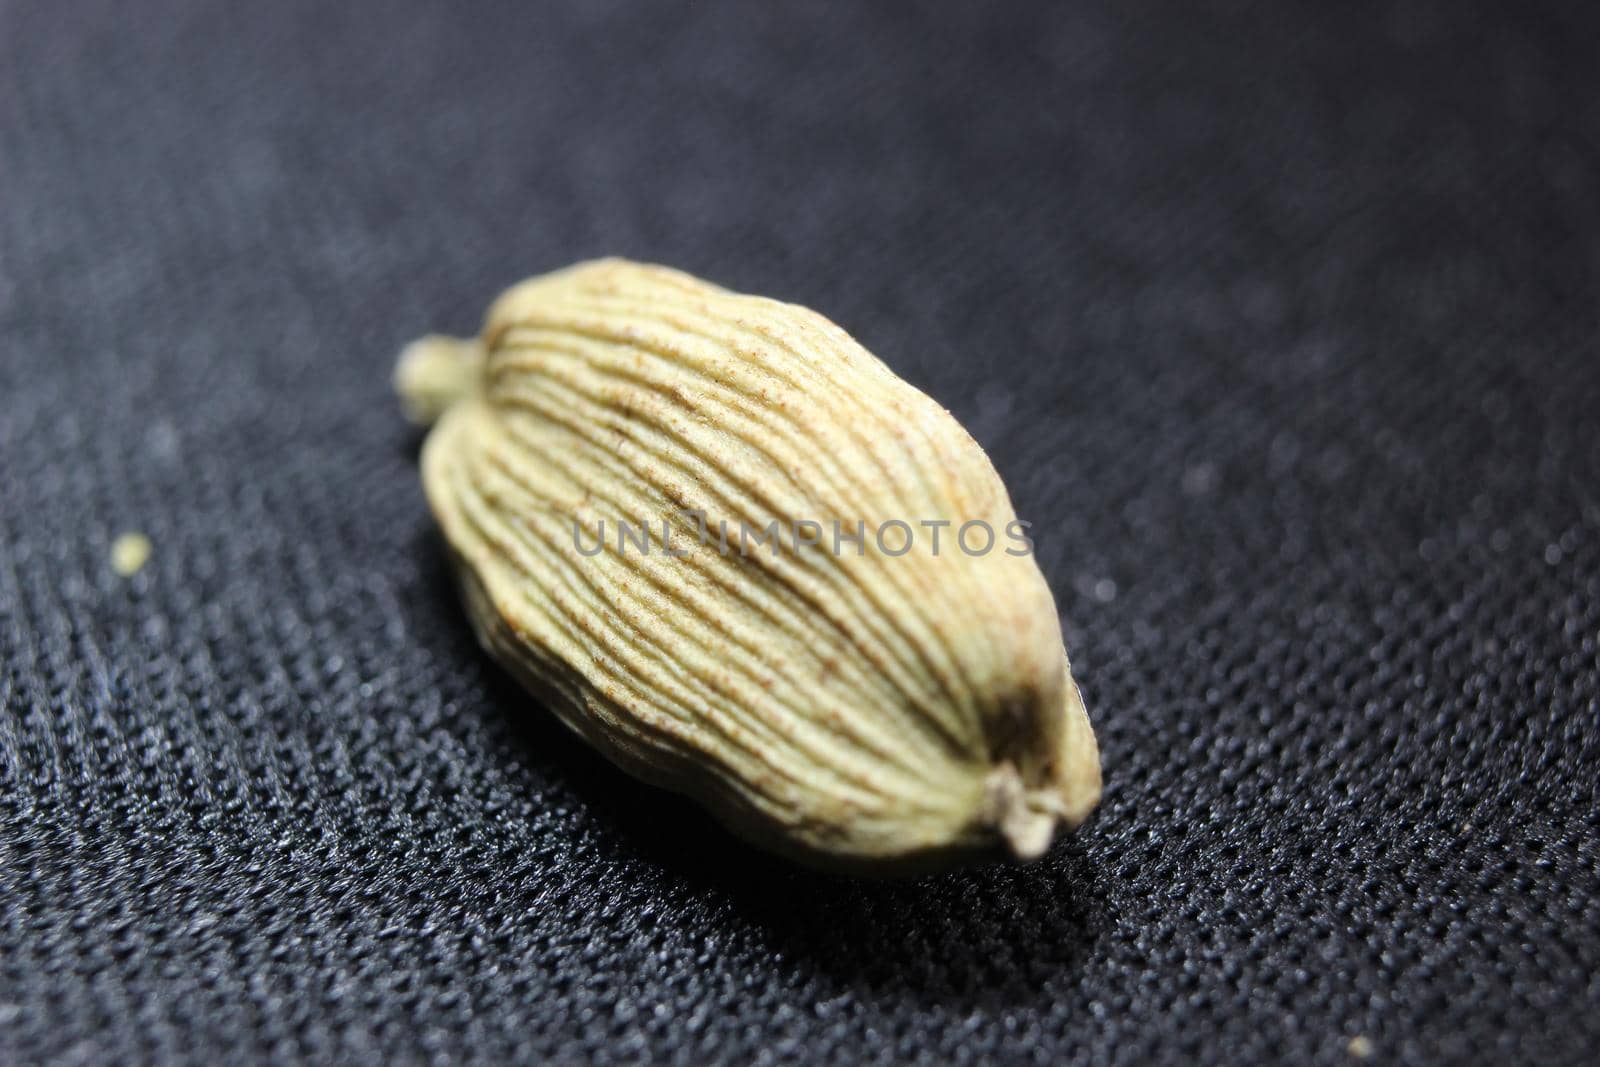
column 129, row 553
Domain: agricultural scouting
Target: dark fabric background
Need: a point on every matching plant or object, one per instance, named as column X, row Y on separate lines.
column 1281, row 320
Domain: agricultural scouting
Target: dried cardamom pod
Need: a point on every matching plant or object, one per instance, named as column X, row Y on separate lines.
column 737, row 554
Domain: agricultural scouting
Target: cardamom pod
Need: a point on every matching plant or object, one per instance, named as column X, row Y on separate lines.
column 850, row 698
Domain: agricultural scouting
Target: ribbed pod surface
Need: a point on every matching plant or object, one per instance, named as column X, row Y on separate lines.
column 608, row 464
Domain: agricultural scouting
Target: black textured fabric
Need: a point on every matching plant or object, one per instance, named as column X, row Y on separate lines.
column 1281, row 320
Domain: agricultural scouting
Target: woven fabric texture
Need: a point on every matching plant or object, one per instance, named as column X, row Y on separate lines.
column 1281, row 321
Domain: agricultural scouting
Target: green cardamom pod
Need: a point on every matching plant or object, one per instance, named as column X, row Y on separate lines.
column 741, row 557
